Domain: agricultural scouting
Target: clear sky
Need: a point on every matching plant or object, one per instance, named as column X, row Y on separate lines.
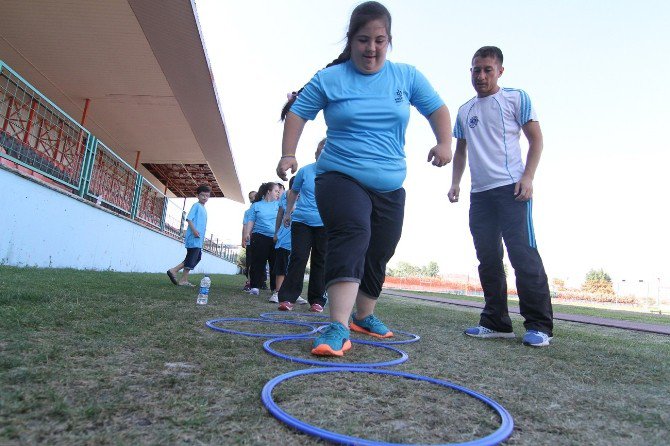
column 597, row 73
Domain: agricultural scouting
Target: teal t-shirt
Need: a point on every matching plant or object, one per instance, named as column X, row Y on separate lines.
column 264, row 216
column 198, row 216
column 284, row 233
column 306, row 211
column 245, row 219
column 366, row 115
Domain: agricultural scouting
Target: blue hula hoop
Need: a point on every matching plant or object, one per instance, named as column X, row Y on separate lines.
column 501, row 434
column 266, row 346
column 274, row 316
column 211, row 325
column 412, row 338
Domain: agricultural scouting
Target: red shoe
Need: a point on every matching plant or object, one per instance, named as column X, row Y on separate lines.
column 285, row 306
column 316, row 308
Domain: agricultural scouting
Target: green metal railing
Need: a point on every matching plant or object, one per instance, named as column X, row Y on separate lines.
column 37, row 135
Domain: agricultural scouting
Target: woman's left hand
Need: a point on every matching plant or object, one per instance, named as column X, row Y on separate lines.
column 440, row 155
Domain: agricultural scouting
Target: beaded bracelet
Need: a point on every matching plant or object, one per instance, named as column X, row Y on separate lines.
column 287, row 156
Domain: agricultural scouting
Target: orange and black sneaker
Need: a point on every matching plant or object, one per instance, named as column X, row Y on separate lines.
column 370, row 325
column 332, row 341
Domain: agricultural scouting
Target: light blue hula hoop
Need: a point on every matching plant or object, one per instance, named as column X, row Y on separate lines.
column 382, row 341
column 211, row 325
column 501, row 434
column 274, row 316
column 266, row 346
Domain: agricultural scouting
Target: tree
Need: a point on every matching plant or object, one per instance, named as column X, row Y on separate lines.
column 559, row 284
column 242, row 257
column 432, row 269
column 405, row 269
column 598, row 281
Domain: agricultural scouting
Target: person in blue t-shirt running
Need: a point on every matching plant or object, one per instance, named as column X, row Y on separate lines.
column 365, row 101
column 193, row 240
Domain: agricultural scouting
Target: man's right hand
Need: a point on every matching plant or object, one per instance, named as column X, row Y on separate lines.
column 454, row 192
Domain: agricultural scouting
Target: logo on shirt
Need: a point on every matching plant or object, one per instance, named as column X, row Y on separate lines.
column 472, row 123
column 398, row 96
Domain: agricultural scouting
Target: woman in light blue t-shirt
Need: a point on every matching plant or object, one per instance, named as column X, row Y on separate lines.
column 365, row 101
column 260, row 231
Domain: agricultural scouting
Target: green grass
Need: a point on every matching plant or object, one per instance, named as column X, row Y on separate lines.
column 113, row 358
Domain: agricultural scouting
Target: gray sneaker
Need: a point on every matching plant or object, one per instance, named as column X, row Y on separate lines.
column 300, row 301
column 483, row 332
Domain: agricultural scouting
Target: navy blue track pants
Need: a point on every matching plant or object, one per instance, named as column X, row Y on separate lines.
column 496, row 216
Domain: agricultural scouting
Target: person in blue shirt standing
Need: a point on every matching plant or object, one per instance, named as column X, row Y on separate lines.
column 194, row 238
column 308, row 241
column 245, row 242
column 365, row 100
column 260, row 232
column 282, row 240
column 489, row 127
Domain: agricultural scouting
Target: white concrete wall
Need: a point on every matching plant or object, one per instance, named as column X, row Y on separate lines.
column 45, row 228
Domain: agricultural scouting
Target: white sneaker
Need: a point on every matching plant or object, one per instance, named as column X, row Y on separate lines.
column 300, row 301
column 483, row 332
column 254, row 291
column 274, row 298
column 536, row 338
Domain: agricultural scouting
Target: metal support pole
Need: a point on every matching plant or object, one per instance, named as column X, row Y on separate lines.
column 136, row 197
column 181, row 224
column 8, row 113
column 87, row 166
column 29, row 124
column 164, row 216
column 85, row 112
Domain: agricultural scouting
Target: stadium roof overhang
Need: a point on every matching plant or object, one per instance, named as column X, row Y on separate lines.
column 138, row 71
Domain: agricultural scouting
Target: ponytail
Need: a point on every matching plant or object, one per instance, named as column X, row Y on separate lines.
column 263, row 190
column 343, row 57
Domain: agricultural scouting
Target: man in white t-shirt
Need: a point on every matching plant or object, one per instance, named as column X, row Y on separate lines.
column 488, row 127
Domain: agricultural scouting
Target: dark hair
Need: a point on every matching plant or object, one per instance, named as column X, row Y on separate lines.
column 264, row 189
column 360, row 16
column 489, row 51
column 203, row 188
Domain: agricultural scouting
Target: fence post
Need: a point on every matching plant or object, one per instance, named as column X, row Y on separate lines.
column 136, row 197
column 164, row 216
column 87, row 165
column 181, row 224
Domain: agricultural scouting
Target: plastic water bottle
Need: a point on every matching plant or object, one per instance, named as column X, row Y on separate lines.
column 203, row 294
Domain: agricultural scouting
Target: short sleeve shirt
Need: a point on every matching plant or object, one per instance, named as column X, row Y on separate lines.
column 198, row 216
column 366, row 116
column 306, row 211
column 492, row 128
